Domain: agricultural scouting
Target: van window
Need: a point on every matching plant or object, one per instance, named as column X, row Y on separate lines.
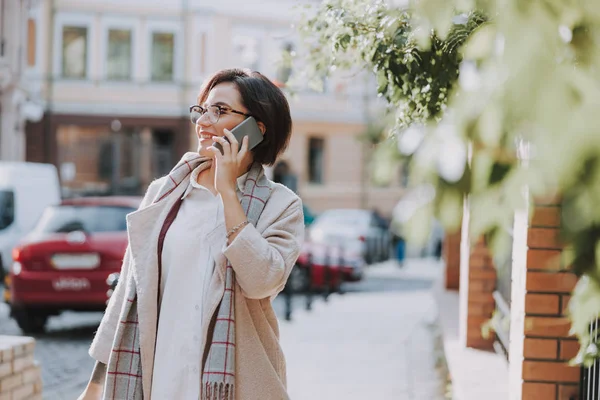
column 7, row 208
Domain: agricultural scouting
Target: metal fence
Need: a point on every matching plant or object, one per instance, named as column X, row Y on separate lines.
column 331, row 281
column 589, row 385
column 502, row 297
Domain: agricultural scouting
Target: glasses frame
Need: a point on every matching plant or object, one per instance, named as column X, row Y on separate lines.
column 222, row 109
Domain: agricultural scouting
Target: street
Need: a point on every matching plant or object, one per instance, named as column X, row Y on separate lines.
column 403, row 348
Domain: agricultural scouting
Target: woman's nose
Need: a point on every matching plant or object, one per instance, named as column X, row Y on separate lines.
column 203, row 120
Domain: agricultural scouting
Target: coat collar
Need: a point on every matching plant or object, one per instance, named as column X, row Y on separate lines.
column 193, row 183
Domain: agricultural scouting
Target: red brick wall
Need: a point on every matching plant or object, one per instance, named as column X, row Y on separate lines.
column 547, row 344
column 481, row 305
column 451, row 252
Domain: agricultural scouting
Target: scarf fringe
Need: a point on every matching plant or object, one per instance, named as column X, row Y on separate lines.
column 218, row 391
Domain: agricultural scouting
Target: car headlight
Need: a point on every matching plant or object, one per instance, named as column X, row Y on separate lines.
column 17, row 268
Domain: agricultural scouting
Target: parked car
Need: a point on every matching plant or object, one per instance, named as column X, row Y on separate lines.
column 319, row 266
column 26, row 189
column 64, row 263
column 359, row 231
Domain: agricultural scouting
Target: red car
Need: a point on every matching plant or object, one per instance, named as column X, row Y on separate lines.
column 64, row 263
column 319, row 266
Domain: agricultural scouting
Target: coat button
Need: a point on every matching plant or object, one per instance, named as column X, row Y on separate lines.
column 197, row 307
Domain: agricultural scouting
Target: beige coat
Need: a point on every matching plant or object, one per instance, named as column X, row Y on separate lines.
column 262, row 258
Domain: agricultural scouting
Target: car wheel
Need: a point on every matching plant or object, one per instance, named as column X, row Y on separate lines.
column 30, row 322
column 298, row 280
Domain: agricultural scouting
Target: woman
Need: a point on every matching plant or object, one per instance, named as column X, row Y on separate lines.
column 210, row 246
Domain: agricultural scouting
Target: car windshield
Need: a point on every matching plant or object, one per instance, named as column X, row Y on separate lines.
column 345, row 217
column 7, row 208
column 91, row 219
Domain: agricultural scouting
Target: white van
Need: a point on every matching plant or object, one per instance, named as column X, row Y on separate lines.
column 26, row 189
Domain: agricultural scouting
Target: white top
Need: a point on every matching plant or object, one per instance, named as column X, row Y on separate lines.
column 187, row 266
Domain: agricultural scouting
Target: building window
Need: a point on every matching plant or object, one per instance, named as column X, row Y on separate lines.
column 315, row 160
column 284, row 71
column 31, row 42
column 119, row 54
column 163, row 52
column 74, row 52
column 246, row 51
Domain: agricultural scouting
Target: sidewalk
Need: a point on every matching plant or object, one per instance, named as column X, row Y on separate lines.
column 476, row 374
column 375, row 342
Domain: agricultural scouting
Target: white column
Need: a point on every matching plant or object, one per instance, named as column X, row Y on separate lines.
column 463, row 298
column 517, row 304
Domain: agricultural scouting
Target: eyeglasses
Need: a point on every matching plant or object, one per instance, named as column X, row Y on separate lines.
column 213, row 113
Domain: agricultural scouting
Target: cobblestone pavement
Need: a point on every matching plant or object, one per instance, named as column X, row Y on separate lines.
column 62, row 350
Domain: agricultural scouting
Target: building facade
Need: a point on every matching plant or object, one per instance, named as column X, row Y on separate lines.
column 19, row 97
column 119, row 76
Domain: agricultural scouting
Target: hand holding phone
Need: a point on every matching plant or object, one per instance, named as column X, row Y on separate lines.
column 247, row 127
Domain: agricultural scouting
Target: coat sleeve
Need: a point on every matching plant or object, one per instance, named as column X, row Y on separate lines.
column 103, row 340
column 262, row 263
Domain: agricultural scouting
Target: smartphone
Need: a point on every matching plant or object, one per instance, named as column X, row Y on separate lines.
column 247, row 127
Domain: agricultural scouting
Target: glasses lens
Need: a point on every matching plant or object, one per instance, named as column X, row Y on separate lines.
column 213, row 114
column 195, row 114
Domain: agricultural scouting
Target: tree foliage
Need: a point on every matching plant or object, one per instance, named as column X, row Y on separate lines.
column 489, row 97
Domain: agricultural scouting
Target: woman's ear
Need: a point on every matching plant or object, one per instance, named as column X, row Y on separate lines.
column 262, row 127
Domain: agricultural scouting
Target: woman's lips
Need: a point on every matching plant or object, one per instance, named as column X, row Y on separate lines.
column 206, row 136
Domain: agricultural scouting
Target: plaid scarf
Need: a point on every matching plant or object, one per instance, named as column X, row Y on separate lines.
column 124, row 372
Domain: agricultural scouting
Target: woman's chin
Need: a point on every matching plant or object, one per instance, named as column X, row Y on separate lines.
column 204, row 151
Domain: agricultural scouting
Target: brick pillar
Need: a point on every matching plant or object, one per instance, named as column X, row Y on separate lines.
column 477, row 283
column 20, row 376
column 451, row 254
column 481, row 304
column 542, row 327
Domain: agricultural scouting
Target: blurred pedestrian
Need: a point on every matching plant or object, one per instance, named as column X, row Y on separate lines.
column 212, row 244
column 398, row 241
column 381, row 221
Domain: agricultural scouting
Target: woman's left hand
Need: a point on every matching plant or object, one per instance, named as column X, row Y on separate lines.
column 232, row 163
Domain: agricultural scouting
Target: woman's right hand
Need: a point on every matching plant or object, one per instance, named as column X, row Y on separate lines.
column 95, row 386
column 91, row 392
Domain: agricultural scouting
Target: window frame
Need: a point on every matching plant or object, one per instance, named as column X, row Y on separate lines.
column 76, row 20
column 308, row 164
column 115, row 23
column 254, row 31
column 275, row 41
column 178, row 65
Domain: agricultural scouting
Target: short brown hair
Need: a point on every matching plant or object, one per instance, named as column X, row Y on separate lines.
column 265, row 102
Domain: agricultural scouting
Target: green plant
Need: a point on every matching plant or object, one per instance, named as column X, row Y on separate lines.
column 489, row 97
